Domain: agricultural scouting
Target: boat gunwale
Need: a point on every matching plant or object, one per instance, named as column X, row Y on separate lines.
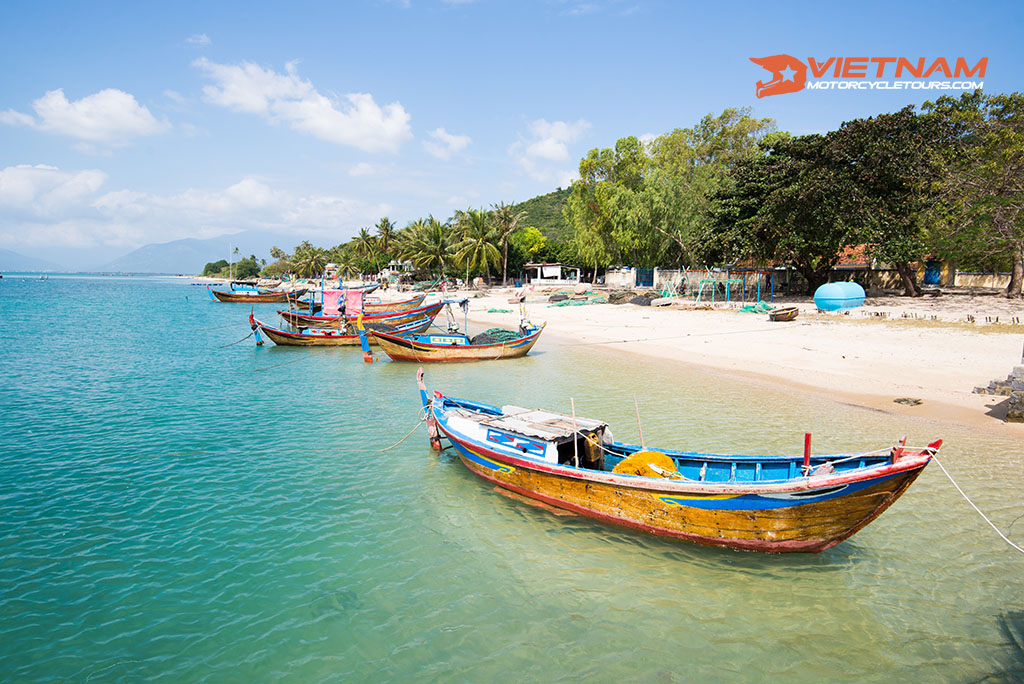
column 908, row 461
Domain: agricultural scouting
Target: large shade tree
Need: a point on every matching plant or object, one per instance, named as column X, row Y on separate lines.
column 983, row 178
column 651, row 204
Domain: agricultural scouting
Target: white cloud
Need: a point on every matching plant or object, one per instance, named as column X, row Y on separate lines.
column 43, row 206
column 363, row 169
column 41, row 191
column 198, row 39
column 551, row 140
column 545, row 152
column 357, row 121
column 111, row 117
column 582, row 8
column 445, row 144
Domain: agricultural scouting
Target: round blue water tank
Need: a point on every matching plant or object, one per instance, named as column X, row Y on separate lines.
column 839, row 296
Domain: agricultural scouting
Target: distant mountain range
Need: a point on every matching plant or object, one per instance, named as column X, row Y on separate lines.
column 188, row 256
column 12, row 261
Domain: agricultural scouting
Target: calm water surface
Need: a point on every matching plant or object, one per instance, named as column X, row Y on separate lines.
column 174, row 509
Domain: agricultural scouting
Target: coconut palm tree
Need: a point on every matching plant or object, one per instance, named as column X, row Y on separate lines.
column 309, row 261
column 507, row 222
column 476, row 249
column 385, row 234
column 428, row 244
column 365, row 246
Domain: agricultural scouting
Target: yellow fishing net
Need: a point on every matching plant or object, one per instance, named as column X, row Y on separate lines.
column 640, row 464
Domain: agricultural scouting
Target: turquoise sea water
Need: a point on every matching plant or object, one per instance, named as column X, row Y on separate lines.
column 173, row 509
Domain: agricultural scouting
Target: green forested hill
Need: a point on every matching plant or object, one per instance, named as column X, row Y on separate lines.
column 545, row 212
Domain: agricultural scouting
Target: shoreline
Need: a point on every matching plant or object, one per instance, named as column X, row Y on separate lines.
column 862, row 359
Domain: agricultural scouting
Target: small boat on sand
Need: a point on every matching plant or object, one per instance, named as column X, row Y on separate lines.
column 772, row 504
column 787, row 314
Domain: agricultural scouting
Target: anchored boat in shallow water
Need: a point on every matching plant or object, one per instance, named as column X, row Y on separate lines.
column 758, row 503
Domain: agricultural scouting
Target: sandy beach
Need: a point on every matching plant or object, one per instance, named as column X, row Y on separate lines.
column 891, row 348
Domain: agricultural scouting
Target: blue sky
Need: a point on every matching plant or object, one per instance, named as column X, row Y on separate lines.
column 123, row 124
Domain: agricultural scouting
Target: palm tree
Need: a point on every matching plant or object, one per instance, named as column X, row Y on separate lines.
column 366, row 246
column 385, row 234
column 309, row 261
column 476, row 248
column 428, row 244
column 506, row 222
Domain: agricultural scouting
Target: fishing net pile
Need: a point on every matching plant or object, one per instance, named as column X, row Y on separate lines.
column 760, row 308
column 382, row 327
column 640, row 464
column 580, row 302
column 495, row 336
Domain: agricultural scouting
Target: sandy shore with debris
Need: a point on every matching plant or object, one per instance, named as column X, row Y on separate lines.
column 892, row 348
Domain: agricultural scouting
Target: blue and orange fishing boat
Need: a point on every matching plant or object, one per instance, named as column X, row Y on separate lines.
column 456, row 346
column 772, row 504
column 348, row 335
column 248, row 292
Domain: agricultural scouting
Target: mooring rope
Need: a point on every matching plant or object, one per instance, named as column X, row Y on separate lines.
column 223, row 346
column 403, row 439
column 422, row 418
column 984, row 517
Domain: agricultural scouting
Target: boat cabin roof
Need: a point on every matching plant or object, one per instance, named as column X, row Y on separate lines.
column 539, row 423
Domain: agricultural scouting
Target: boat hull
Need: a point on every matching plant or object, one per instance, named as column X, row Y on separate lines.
column 403, row 349
column 787, row 314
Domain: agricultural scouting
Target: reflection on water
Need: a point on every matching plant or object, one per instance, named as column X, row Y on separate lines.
column 173, row 509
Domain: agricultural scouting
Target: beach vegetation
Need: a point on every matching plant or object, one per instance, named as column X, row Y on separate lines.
column 215, row 267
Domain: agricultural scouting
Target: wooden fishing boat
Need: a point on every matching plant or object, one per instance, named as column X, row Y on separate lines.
column 370, row 306
column 254, row 296
column 758, row 503
column 786, row 314
column 455, row 346
column 332, row 337
column 301, row 320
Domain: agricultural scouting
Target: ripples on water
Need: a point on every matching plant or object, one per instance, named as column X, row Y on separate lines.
column 171, row 510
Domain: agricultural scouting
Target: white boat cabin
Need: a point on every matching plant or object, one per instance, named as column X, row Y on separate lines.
column 538, row 434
